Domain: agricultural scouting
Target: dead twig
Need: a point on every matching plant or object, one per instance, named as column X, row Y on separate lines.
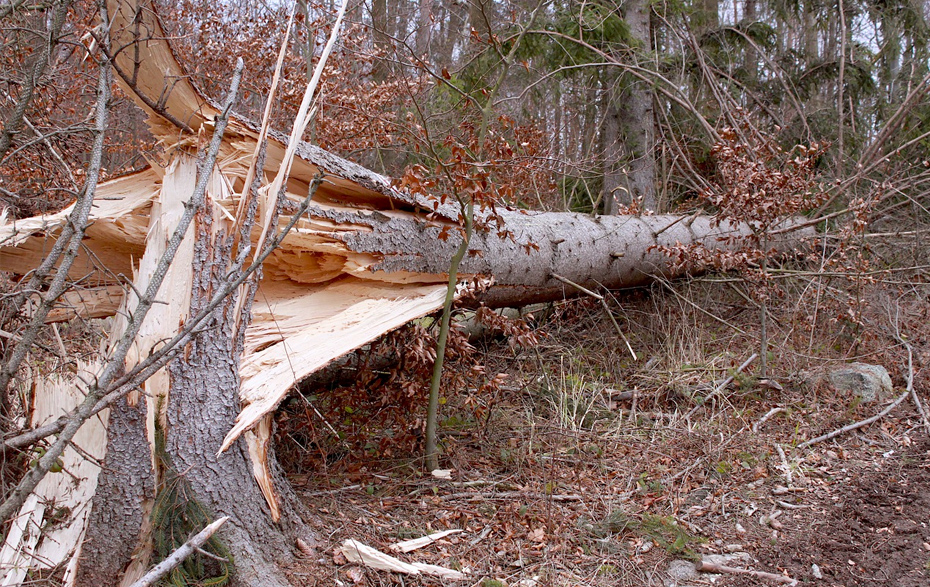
column 603, row 302
column 512, row 495
column 723, row 385
column 784, row 463
column 714, row 568
column 910, row 385
column 857, row 425
column 177, row 557
column 765, row 418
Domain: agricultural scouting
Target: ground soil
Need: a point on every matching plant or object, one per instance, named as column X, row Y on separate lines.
column 871, row 529
column 565, row 480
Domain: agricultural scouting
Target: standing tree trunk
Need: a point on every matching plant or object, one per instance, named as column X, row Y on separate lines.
column 203, row 403
column 629, row 128
column 382, row 39
column 424, row 27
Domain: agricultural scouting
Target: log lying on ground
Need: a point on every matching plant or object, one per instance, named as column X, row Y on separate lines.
column 348, row 274
column 364, row 260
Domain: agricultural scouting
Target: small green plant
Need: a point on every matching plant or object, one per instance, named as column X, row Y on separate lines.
column 663, row 530
column 747, row 459
column 666, row 531
column 492, row 583
column 647, row 485
column 176, row 515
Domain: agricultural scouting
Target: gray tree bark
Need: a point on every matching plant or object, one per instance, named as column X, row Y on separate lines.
column 424, row 27
column 629, row 129
column 600, row 251
column 122, row 501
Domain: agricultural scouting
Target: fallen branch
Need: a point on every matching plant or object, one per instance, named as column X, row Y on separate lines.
column 784, row 463
column 857, row 425
column 416, row 543
column 723, row 385
column 512, row 495
column 714, row 568
column 910, row 385
column 765, row 418
column 363, row 554
column 603, row 302
column 178, row 556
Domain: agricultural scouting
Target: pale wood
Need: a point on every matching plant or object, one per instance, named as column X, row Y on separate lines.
column 70, row 490
column 363, row 554
column 709, row 567
column 406, row 546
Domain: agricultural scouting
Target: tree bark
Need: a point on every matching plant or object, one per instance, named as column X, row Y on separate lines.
column 424, row 27
column 203, row 403
column 122, row 502
column 382, row 39
column 629, row 131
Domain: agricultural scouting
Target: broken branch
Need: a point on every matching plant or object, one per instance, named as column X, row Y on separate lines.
column 857, row 425
column 709, row 567
column 178, row 556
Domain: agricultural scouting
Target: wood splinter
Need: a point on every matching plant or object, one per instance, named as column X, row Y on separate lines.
column 709, row 567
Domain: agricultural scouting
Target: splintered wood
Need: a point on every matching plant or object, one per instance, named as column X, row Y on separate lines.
column 50, row 526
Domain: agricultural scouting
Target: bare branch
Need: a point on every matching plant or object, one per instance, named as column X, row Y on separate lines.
column 12, row 126
column 178, row 556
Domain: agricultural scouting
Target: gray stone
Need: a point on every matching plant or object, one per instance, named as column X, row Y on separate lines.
column 680, row 572
column 868, row 382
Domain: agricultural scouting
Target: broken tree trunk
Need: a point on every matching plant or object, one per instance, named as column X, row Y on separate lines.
column 363, row 260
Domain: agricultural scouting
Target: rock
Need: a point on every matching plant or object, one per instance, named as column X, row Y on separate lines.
column 868, row 382
column 732, row 559
column 680, row 572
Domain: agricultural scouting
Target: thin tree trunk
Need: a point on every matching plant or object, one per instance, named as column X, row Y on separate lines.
column 379, row 25
column 630, row 118
column 425, row 27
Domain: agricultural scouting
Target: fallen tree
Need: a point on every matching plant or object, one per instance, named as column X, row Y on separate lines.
column 285, row 258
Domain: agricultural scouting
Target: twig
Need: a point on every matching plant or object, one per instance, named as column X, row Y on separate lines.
column 331, row 491
column 603, row 302
column 723, row 385
column 177, row 557
column 784, row 463
column 714, row 568
column 910, row 384
column 791, row 506
column 765, row 418
column 512, row 495
column 659, row 279
column 859, row 424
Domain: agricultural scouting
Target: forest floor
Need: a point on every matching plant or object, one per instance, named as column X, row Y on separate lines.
column 563, row 479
